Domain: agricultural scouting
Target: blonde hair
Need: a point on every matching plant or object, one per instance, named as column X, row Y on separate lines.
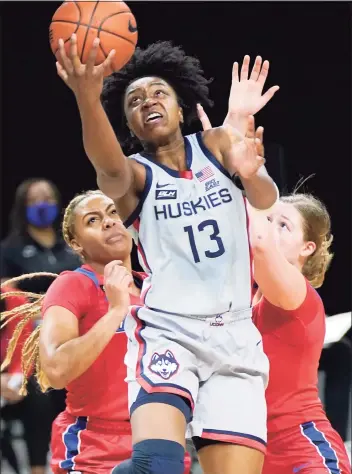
column 317, row 229
column 31, row 311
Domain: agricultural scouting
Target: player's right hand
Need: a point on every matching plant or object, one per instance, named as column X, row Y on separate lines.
column 117, row 283
column 85, row 80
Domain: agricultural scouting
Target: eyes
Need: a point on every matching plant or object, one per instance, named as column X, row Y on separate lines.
column 135, row 100
column 281, row 223
column 94, row 219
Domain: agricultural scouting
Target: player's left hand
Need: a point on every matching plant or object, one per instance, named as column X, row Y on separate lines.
column 246, row 154
column 246, row 94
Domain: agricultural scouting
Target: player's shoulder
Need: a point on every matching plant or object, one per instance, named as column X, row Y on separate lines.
column 311, row 307
column 70, row 280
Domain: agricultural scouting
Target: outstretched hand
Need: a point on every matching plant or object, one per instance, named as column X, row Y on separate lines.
column 251, row 132
column 85, row 80
column 246, row 94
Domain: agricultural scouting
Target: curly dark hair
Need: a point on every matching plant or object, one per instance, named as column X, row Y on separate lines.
column 183, row 73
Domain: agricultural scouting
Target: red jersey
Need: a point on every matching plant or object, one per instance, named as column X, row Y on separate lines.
column 293, row 341
column 7, row 332
column 101, row 391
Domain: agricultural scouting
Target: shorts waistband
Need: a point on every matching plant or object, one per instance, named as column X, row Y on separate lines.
column 227, row 317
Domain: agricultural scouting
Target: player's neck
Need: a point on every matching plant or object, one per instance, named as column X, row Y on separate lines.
column 99, row 267
column 45, row 237
column 171, row 154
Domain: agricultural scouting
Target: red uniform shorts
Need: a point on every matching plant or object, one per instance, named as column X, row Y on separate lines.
column 310, row 448
column 90, row 446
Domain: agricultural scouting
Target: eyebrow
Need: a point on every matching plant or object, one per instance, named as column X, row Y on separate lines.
column 285, row 217
column 97, row 212
column 151, row 84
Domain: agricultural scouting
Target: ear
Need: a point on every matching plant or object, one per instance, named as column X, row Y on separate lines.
column 308, row 249
column 169, row 354
column 180, row 115
column 76, row 247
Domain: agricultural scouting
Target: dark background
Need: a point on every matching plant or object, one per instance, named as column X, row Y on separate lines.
column 307, row 124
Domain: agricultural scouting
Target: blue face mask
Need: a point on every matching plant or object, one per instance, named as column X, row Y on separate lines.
column 42, row 214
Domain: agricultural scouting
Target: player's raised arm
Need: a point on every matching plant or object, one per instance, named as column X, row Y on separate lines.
column 115, row 173
column 243, row 156
column 290, row 245
column 281, row 283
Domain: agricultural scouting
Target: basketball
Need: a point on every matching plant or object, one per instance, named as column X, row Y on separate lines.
column 112, row 22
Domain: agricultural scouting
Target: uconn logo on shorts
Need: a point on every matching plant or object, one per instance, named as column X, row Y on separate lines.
column 164, row 365
column 218, row 321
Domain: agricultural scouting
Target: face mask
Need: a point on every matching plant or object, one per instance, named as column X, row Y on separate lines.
column 42, row 214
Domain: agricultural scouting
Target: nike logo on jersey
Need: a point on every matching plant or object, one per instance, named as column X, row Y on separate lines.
column 162, row 185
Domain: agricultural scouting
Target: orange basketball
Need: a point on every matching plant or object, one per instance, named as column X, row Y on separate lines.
column 112, row 22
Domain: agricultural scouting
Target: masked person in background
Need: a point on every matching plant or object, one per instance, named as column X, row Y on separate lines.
column 34, row 244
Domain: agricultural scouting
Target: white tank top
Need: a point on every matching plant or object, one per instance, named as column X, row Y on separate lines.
column 191, row 230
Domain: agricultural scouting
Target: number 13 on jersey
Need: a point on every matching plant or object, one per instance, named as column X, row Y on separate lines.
column 192, row 232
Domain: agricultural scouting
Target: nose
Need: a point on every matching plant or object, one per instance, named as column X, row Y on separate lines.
column 149, row 102
column 108, row 223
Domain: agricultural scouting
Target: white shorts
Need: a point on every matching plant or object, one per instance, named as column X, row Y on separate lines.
column 217, row 363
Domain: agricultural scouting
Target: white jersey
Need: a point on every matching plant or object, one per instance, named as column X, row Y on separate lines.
column 192, row 236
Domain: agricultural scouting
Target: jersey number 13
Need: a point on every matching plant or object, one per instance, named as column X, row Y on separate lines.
column 213, row 236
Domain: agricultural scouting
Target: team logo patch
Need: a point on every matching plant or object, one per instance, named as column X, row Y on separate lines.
column 204, row 174
column 164, row 365
column 165, row 194
column 211, row 184
column 218, row 321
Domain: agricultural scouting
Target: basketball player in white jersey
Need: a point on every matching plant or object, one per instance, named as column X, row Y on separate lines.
column 193, row 353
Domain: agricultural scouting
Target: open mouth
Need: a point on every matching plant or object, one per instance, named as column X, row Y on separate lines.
column 153, row 117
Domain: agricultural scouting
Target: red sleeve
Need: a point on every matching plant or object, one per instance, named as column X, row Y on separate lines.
column 306, row 312
column 12, row 303
column 70, row 290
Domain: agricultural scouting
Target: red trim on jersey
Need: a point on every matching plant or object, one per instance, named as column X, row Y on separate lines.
column 235, row 438
column 136, row 225
column 144, row 293
column 187, row 174
column 142, row 379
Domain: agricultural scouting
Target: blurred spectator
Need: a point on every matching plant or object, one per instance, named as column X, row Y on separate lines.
column 34, row 243
column 34, row 411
